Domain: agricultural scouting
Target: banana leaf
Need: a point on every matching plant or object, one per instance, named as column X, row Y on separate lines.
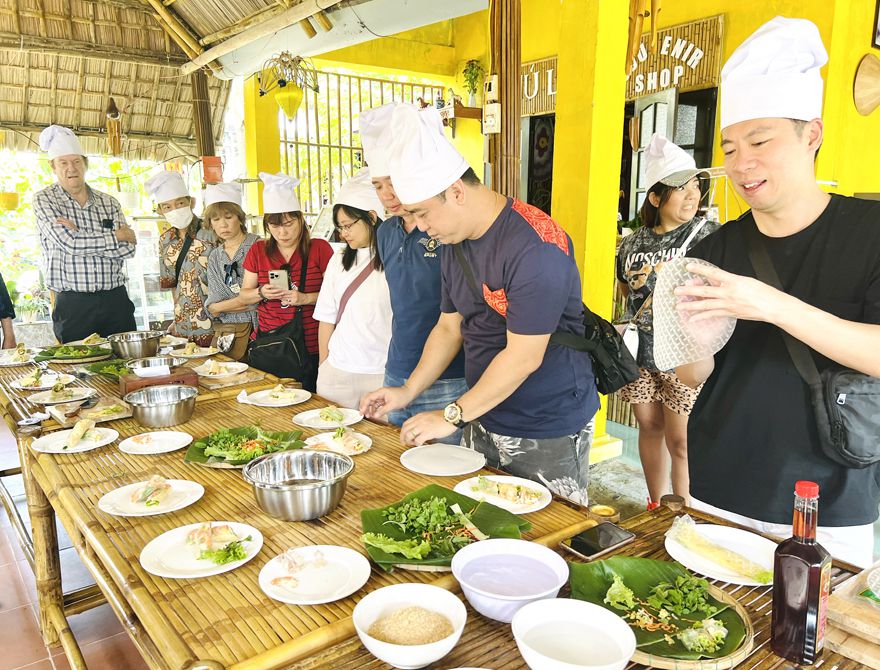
column 590, row 582
column 196, row 451
column 492, row 520
column 70, row 353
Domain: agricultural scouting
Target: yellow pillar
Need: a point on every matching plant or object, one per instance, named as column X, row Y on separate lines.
column 262, row 140
column 586, row 152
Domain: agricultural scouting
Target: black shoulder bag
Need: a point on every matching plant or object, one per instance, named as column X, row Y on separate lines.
column 282, row 351
column 846, row 403
column 613, row 365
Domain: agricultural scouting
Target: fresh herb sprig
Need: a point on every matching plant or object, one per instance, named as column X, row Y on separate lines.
column 234, row 551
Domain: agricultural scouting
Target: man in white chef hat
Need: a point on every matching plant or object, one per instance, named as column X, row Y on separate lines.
column 752, row 431
column 411, row 259
column 509, row 282
column 183, row 256
column 85, row 241
column 285, row 271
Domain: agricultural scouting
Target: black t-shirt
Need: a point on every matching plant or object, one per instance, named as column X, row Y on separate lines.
column 752, row 433
column 7, row 309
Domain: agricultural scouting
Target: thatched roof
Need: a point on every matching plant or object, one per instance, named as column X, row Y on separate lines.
column 61, row 60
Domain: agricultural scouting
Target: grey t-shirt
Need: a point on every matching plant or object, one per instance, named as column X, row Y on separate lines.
column 639, row 259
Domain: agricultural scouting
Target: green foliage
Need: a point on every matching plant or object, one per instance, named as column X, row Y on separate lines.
column 473, row 73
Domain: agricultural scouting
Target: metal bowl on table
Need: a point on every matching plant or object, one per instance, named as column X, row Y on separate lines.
column 163, row 405
column 155, row 362
column 135, row 343
column 299, row 485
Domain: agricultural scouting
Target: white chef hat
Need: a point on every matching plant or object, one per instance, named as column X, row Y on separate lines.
column 223, row 192
column 279, row 194
column 166, row 185
column 60, row 141
column 668, row 163
column 775, row 74
column 423, row 162
column 359, row 192
column 376, row 137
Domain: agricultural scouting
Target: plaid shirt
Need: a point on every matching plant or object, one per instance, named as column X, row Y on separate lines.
column 87, row 259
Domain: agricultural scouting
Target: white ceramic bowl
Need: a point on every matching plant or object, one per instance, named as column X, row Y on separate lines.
column 565, row 634
column 389, row 599
column 516, row 572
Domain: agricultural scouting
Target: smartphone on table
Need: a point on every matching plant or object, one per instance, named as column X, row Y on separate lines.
column 598, row 540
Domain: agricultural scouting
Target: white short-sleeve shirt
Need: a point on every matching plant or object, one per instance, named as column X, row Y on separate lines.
column 359, row 343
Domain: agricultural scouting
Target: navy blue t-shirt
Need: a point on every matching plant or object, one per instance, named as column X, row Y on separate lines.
column 412, row 269
column 524, row 265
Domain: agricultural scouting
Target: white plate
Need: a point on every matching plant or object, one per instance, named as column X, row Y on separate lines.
column 227, row 370
column 171, row 341
column 53, row 443
column 465, row 488
column 118, row 502
column 6, row 362
column 47, row 381
column 99, row 343
column 262, row 399
column 754, row 547
column 76, row 393
column 310, row 419
column 170, row 556
column 200, row 352
column 442, row 460
column 158, row 442
column 325, row 441
column 344, row 573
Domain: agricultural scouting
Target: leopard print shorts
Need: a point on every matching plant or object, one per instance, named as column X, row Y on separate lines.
column 662, row 387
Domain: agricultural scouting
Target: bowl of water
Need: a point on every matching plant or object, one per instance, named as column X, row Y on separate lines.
column 565, row 634
column 499, row 576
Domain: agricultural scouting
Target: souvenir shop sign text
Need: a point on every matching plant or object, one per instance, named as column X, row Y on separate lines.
column 688, row 57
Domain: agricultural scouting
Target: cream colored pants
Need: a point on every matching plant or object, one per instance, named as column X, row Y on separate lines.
column 346, row 388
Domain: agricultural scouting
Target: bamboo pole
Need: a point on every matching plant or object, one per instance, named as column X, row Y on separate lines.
column 202, row 114
column 68, row 641
column 277, row 22
column 506, row 56
column 323, row 21
column 179, row 29
column 78, row 49
column 308, row 28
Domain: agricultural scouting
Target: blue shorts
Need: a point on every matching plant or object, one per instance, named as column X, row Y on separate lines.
column 437, row 396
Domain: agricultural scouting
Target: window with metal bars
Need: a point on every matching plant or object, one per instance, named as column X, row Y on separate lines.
column 321, row 145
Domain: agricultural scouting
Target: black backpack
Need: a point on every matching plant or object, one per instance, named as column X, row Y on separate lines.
column 613, row 364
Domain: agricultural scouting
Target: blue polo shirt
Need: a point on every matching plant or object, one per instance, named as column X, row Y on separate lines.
column 412, row 269
column 530, row 285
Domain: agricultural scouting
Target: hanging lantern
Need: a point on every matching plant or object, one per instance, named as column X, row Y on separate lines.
column 114, row 128
column 288, row 76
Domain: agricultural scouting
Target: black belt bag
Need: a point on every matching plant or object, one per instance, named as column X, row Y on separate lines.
column 846, row 403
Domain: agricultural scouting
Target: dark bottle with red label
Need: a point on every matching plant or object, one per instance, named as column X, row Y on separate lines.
column 801, row 584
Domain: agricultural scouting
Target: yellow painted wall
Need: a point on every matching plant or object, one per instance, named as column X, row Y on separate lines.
column 262, row 141
column 540, row 28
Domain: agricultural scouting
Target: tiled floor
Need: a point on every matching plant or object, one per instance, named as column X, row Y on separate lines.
column 103, row 643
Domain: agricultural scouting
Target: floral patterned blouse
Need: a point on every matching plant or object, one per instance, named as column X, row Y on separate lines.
column 190, row 318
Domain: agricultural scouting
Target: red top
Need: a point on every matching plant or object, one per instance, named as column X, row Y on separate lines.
column 806, row 489
column 270, row 314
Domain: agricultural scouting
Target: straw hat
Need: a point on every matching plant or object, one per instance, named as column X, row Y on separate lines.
column 866, row 85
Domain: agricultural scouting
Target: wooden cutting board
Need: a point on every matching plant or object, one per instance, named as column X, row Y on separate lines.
column 249, row 375
column 57, row 412
column 852, row 646
column 853, row 614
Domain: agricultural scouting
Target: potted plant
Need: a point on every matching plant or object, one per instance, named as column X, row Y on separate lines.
column 473, row 75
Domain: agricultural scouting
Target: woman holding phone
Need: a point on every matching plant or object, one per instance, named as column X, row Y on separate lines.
column 282, row 276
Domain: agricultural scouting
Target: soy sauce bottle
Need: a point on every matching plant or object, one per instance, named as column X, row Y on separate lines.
column 801, row 584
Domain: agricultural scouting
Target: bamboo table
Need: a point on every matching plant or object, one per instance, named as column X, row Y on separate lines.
column 222, row 621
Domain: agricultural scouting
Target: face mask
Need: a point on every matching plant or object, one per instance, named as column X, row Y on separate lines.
column 179, row 218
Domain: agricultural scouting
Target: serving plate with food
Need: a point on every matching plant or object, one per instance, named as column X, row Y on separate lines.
column 21, row 355
column 679, row 619
column 84, row 436
column 201, row 549
column 219, row 370
column 427, row 527
column 77, row 353
column 193, row 350
column 327, row 417
column 41, row 380
column 236, row 447
column 156, row 442
column 728, row 554
column 172, row 341
column 61, row 393
column 342, row 441
column 279, row 396
column 156, row 495
column 515, row 494
column 104, row 409
column 93, row 340
column 314, row 575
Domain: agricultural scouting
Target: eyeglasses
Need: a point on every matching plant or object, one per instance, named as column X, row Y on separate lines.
column 345, row 229
column 232, row 274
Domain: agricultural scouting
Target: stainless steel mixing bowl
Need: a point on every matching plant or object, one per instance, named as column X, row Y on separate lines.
column 156, row 361
column 163, row 405
column 135, row 343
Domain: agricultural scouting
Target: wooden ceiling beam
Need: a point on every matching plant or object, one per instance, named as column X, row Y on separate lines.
column 98, row 132
column 61, row 47
column 179, row 32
